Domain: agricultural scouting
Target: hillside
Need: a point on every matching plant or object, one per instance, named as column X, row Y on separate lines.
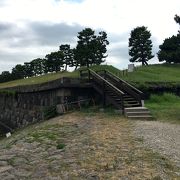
column 155, row 73
column 158, row 73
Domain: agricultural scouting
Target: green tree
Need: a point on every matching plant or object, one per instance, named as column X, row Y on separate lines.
column 177, row 19
column 5, row 76
column 28, row 70
column 170, row 50
column 68, row 55
column 37, row 66
column 140, row 45
column 91, row 48
column 54, row 62
column 18, row 72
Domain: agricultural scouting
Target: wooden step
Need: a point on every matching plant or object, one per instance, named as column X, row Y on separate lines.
column 131, row 105
column 136, row 109
column 141, row 117
column 128, row 98
column 137, row 113
column 131, row 102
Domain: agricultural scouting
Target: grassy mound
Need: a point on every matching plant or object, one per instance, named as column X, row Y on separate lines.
column 155, row 73
column 163, row 74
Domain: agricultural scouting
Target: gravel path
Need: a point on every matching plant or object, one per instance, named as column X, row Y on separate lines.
column 87, row 147
column 161, row 137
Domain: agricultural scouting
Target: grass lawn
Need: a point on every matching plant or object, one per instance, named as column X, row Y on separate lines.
column 165, row 107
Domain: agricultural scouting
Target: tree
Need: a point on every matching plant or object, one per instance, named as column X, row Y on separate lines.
column 18, row 72
column 54, row 62
column 37, row 66
column 170, row 50
column 28, row 70
column 68, row 55
column 101, row 42
column 91, row 48
column 5, row 76
column 140, row 45
column 177, row 19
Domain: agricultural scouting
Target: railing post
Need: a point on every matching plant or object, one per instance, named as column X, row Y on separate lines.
column 88, row 75
column 80, row 74
column 104, row 74
column 104, row 94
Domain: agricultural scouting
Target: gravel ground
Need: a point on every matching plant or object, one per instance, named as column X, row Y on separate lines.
column 161, row 137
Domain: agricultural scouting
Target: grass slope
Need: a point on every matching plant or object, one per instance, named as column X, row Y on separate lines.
column 53, row 76
column 38, row 79
column 158, row 73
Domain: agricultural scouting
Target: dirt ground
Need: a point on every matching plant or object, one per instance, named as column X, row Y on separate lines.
column 79, row 146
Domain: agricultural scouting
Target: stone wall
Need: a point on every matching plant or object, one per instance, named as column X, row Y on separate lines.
column 27, row 104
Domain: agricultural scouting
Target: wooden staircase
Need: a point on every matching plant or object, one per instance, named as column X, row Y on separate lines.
column 119, row 93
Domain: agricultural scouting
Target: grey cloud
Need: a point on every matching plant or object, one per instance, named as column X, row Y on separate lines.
column 9, row 59
column 49, row 34
column 119, row 52
column 6, row 29
column 39, row 33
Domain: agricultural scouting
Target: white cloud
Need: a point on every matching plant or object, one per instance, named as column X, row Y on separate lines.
column 116, row 17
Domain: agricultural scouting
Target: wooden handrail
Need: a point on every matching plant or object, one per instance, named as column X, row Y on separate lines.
column 126, row 83
column 111, row 85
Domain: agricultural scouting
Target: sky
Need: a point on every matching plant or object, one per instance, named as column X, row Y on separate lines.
column 31, row 29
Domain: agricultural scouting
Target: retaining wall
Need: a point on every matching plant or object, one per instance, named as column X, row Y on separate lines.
column 21, row 106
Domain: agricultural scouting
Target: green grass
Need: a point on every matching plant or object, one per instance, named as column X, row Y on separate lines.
column 165, row 107
column 39, row 79
column 52, row 76
column 155, row 73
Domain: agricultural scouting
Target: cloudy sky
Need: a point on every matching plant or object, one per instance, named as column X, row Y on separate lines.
column 33, row 28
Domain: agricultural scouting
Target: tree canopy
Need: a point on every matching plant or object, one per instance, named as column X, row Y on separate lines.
column 177, row 19
column 140, row 45
column 170, row 49
column 91, row 48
